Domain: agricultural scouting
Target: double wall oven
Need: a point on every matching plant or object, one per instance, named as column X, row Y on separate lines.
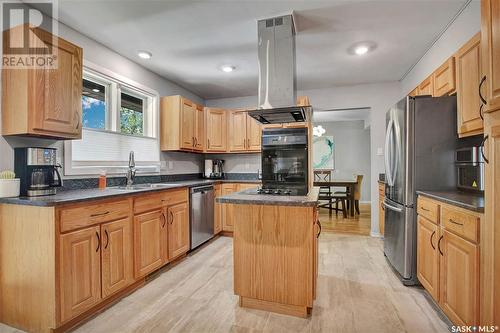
column 285, row 160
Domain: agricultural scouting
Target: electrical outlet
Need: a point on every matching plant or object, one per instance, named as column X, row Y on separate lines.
column 163, row 164
column 170, row 165
column 380, row 151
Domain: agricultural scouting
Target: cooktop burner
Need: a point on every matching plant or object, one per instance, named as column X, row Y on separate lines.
column 277, row 191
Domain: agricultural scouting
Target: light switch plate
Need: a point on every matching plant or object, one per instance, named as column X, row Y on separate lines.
column 380, row 151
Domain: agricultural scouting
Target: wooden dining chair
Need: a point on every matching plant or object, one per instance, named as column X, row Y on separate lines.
column 325, row 192
column 357, row 192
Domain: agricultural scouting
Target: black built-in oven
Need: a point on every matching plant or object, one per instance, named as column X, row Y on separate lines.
column 285, row 159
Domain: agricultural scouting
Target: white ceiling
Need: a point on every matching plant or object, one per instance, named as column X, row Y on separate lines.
column 190, row 40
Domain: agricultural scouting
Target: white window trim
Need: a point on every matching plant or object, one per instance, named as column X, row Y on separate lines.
column 152, row 118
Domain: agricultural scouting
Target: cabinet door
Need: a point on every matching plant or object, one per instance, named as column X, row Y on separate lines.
column 117, row 256
column 80, row 267
column 468, row 63
column 444, row 78
column 381, row 216
column 459, row 297
column 237, row 131
column 490, row 52
column 57, row 93
column 414, row 92
column 217, row 211
column 490, row 226
column 254, row 134
column 178, row 230
column 188, row 119
column 147, row 242
column 428, row 256
column 228, row 209
column 426, row 87
column 216, row 127
column 199, row 132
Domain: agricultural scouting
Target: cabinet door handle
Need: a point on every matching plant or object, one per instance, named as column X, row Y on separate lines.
column 432, row 236
column 482, row 149
column 208, row 143
column 424, row 209
column 195, row 142
column 455, row 222
column 319, row 225
column 171, row 217
column 164, row 218
column 78, row 123
column 99, row 214
column 107, row 238
column 481, row 112
column 439, row 245
column 480, row 86
column 98, row 242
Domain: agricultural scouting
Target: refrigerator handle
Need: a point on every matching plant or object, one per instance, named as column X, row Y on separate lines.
column 397, row 156
column 399, row 210
column 386, row 156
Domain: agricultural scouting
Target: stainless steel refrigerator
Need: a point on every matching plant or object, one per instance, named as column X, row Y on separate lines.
column 421, row 138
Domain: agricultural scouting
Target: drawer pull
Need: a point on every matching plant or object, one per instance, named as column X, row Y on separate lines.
column 432, row 236
column 424, row 209
column 439, row 245
column 99, row 214
column 455, row 222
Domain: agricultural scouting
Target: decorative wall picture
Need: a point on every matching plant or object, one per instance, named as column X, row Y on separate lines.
column 323, row 153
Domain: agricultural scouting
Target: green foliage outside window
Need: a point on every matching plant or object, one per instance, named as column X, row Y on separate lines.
column 131, row 121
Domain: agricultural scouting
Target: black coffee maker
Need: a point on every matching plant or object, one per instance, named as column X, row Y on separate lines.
column 38, row 171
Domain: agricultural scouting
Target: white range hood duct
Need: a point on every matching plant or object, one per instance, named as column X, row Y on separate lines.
column 277, row 84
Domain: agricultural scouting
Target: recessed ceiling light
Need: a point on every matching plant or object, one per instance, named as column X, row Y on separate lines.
column 144, row 54
column 228, row 68
column 95, row 90
column 360, row 50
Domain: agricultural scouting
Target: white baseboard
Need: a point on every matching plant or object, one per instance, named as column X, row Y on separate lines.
column 375, row 234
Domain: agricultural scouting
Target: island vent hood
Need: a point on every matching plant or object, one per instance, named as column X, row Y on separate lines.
column 277, row 84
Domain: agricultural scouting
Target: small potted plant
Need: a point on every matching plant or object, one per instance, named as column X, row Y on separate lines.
column 9, row 184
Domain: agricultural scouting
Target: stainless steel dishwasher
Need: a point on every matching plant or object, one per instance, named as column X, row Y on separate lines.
column 202, row 214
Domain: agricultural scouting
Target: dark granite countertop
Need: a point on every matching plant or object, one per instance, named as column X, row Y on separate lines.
column 466, row 200
column 74, row 196
column 250, row 197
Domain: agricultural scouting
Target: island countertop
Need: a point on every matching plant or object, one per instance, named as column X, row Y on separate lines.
column 250, row 197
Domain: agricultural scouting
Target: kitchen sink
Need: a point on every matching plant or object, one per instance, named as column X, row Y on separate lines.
column 138, row 187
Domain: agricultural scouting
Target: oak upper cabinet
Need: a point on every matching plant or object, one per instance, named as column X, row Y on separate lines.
column 237, row 127
column 80, row 271
column 468, row 64
column 459, row 279
column 149, row 229
column 254, row 135
column 178, row 124
column 199, row 129
column 428, row 256
column 490, row 53
column 217, row 209
column 216, row 130
column 45, row 102
column 426, row 87
column 414, row 92
column 178, row 230
column 117, row 256
column 444, row 78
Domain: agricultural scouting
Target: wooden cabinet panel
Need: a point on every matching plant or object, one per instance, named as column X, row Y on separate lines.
column 228, row 209
column 254, row 134
column 459, row 296
column 426, row 87
column 468, row 64
column 44, row 102
column 414, row 92
column 117, row 256
column 80, row 271
column 199, row 131
column 461, row 223
column 490, row 52
column 178, row 230
column 428, row 256
column 216, row 128
column 148, row 242
column 428, row 208
column 217, row 210
column 444, row 78
column 188, row 119
column 381, row 208
column 237, row 128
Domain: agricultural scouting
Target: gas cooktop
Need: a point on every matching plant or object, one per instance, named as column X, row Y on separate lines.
column 277, row 191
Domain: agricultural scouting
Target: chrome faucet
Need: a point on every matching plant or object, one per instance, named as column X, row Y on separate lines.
column 131, row 169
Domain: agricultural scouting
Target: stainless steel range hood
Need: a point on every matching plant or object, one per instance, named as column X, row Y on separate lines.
column 277, row 86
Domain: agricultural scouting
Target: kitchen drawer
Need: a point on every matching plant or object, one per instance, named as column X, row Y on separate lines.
column 149, row 202
column 461, row 223
column 429, row 209
column 86, row 214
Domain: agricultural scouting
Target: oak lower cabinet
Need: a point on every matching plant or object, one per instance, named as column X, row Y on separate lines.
column 149, row 236
column 216, row 130
column 448, row 259
column 80, row 265
column 228, row 209
column 178, row 230
column 44, row 102
column 381, row 208
column 468, row 64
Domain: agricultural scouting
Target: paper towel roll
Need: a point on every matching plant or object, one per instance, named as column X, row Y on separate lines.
column 208, row 168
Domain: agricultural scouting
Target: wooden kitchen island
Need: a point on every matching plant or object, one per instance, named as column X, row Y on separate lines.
column 275, row 250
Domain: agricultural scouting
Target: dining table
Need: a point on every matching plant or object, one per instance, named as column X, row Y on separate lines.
column 349, row 184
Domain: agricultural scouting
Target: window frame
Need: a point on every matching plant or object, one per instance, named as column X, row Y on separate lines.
column 91, row 75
